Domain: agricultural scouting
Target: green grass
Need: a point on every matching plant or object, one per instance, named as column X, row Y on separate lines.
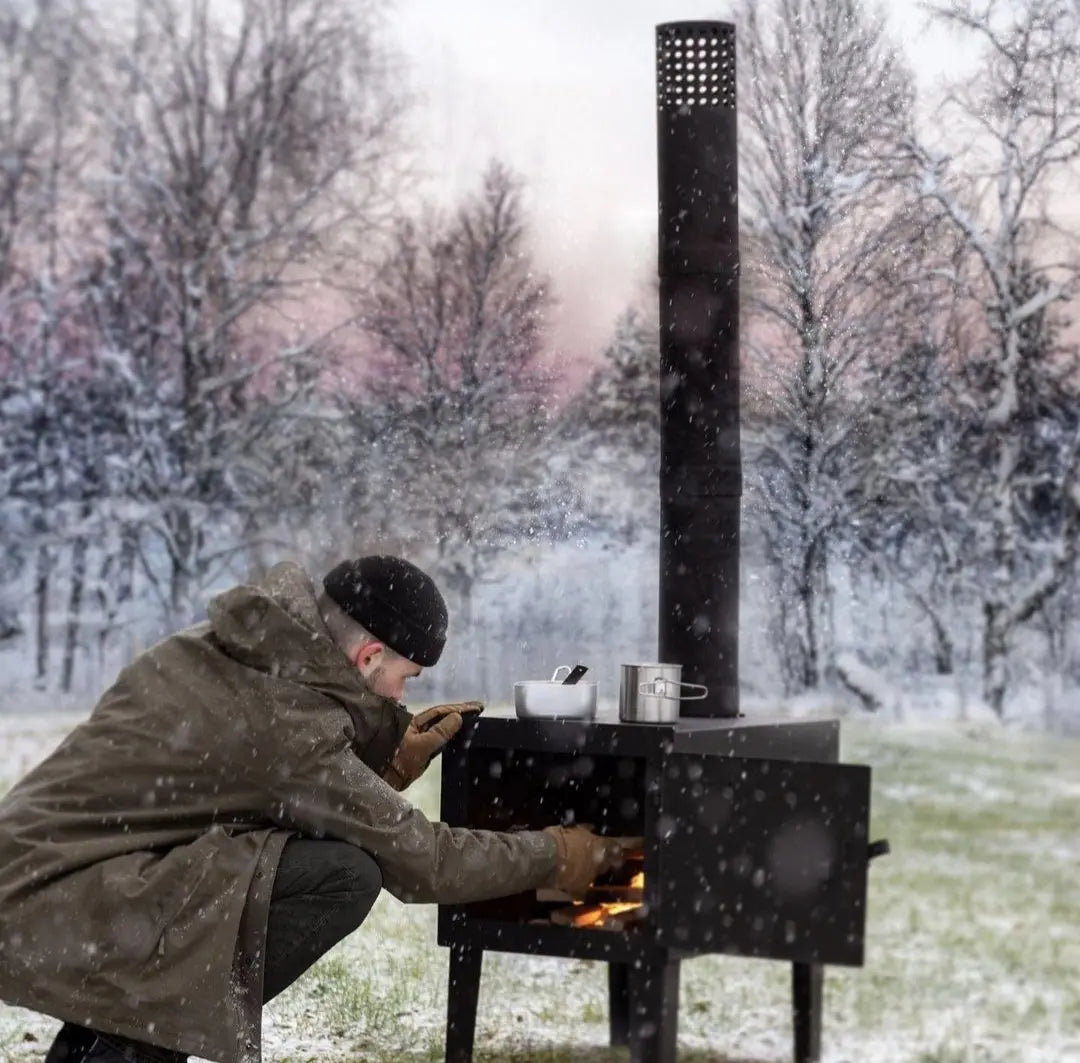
column 973, row 942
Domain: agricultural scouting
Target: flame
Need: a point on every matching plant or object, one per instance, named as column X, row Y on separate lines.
column 594, row 914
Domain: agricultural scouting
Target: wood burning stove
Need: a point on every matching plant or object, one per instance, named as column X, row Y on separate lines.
column 755, row 844
column 754, row 837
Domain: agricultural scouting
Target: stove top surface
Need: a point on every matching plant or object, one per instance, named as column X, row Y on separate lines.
column 755, row 736
column 607, row 715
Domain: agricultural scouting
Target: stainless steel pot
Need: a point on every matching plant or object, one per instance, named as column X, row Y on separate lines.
column 650, row 693
column 547, row 699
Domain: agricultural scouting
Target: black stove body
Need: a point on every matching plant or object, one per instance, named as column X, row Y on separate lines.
column 755, row 838
column 755, row 845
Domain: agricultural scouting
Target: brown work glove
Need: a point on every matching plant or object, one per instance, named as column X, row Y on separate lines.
column 425, row 736
column 582, row 857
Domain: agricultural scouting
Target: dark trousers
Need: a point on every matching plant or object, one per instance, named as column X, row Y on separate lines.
column 322, row 892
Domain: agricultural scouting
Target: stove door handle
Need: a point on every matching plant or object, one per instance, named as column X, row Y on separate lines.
column 878, row 848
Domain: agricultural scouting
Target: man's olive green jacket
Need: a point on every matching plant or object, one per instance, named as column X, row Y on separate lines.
column 136, row 861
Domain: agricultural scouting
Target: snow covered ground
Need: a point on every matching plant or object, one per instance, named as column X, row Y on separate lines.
column 973, row 950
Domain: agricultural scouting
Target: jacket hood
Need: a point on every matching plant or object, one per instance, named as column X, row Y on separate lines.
column 275, row 627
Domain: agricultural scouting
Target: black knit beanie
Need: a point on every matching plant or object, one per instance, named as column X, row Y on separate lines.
column 395, row 601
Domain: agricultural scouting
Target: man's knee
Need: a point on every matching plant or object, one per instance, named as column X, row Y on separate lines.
column 327, row 868
column 357, row 872
column 349, row 882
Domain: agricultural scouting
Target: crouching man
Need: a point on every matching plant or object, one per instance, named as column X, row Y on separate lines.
column 231, row 809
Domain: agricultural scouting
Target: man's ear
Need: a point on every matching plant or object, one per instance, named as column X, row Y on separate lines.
column 366, row 655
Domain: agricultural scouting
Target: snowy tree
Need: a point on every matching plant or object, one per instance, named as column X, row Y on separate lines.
column 21, row 146
column 910, row 535
column 41, row 59
column 454, row 422
column 175, row 185
column 611, row 429
column 1019, row 117
column 915, row 539
column 823, row 100
column 243, row 157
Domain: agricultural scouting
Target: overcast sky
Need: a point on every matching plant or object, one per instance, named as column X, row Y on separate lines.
column 563, row 91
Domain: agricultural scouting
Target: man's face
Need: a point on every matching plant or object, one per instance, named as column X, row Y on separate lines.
column 385, row 672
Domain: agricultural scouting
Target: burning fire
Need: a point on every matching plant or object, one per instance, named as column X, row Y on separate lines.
column 597, row 914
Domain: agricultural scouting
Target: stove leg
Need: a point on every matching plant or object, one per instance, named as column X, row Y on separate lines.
column 465, row 963
column 807, row 980
column 654, row 1011
column 619, row 1002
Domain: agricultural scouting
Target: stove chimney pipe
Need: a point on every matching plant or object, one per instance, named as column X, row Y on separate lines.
column 700, row 464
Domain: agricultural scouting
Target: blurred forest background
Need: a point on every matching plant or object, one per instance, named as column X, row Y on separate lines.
column 234, row 329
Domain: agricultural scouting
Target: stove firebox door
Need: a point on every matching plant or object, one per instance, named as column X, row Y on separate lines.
column 762, row 858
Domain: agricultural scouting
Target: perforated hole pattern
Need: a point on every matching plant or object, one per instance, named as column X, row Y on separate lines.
column 695, row 67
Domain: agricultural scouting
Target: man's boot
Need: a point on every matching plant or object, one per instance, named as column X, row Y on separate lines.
column 71, row 1044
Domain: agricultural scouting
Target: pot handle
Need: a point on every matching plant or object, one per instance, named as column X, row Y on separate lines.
column 651, row 688
column 556, row 678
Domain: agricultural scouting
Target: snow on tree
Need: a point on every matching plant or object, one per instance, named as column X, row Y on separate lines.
column 823, row 98
column 242, row 158
column 454, row 420
column 42, row 57
column 914, row 541
column 611, row 432
column 1018, row 118
column 176, row 183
